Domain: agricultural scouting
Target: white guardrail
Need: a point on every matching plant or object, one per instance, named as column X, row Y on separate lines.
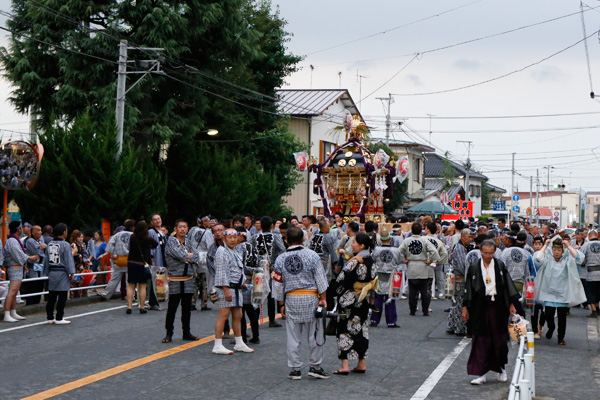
column 522, row 386
column 45, row 278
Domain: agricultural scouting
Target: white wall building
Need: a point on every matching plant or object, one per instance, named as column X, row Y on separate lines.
column 571, row 209
column 315, row 116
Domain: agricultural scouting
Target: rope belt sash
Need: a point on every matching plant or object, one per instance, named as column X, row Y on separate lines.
column 303, row 292
column 180, row 278
column 15, row 266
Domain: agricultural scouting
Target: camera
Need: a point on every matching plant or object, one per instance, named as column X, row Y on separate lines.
column 322, row 312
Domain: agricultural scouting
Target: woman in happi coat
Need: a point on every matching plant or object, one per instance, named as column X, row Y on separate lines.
column 353, row 285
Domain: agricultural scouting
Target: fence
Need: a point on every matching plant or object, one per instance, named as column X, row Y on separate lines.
column 522, row 386
column 44, row 278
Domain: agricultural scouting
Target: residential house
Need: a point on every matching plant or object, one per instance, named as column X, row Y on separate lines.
column 416, row 178
column 316, row 115
column 439, row 168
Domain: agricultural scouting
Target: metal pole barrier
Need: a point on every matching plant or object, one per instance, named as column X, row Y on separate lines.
column 524, row 393
column 43, row 278
column 531, row 350
column 517, row 373
column 528, row 358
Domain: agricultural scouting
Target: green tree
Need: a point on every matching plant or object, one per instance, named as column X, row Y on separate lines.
column 486, row 198
column 209, row 179
column 223, row 61
column 80, row 183
column 448, row 173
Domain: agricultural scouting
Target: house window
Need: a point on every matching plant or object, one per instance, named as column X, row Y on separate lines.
column 417, row 170
column 475, row 191
column 326, row 147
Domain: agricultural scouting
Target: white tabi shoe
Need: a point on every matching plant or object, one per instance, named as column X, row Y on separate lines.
column 8, row 318
column 479, row 381
column 222, row 350
column 242, row 348
column 61, row 322
column 13, row 313
column 51, row 321
column 502, row 376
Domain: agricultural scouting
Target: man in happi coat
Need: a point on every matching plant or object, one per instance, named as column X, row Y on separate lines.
column 419, row 253
column 201, row 238
column 387, row 260
column 300, row 285
column 180, row 257
column 269, row 246
column 456, row 324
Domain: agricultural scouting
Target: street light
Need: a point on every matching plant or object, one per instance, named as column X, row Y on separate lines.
column 212, row 132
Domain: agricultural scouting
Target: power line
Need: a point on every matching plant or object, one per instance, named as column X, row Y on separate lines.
column 386, row 82
column 501, row 76
column 491, row 116
column 515, row 130
column 188, row 67
column 393, row 29
column 461, row 43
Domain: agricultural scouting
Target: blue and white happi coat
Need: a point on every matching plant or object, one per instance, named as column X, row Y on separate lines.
column 298, row 268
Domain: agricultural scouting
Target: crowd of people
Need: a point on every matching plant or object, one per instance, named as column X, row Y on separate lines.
column 323, row 275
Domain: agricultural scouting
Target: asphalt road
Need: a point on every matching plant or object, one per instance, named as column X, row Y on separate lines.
column 106, row 354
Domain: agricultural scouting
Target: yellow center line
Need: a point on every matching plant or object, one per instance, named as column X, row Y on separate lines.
column 67, row 387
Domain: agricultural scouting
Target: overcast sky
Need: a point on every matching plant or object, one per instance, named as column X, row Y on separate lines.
column 556, row 85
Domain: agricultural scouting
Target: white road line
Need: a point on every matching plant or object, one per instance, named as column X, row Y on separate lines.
column 16, row 328
column 592, row 329
column 441, row 369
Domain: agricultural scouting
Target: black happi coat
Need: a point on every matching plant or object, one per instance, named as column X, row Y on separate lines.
column 474, row 298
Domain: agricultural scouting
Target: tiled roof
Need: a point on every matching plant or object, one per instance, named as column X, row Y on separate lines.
column 434, row 167
column 434, row 185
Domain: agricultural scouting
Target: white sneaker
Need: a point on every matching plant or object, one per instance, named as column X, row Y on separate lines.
column 479, row 381
column 221, row 350
column 62, row 322
column 50, row 321
column 502, row 376
column 19, row 301
column 13, row 313
column 433, row 298
column 242, row 348
column 8, row 318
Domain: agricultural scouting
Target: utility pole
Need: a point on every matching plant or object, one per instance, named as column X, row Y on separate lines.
column 120, row 110
column 467, row 168
column 388, row 118
column 150, row 66
column 359, row 80
column 512, row 187
column 537, row 194
column 561, row 195
column 530, row 196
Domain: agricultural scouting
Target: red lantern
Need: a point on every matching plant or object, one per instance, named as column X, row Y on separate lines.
column 396, row 284
column 529, row 291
